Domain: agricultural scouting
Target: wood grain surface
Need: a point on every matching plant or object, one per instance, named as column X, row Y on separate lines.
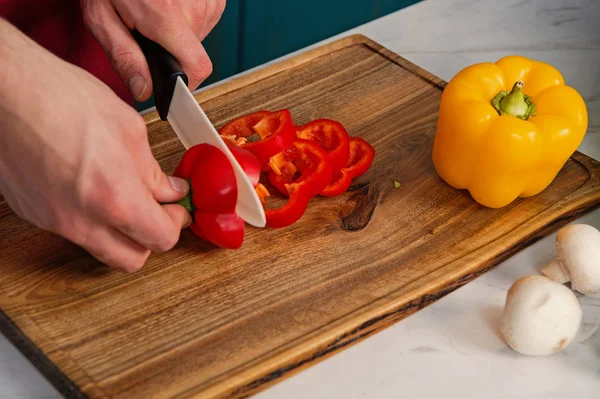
column 200, row 321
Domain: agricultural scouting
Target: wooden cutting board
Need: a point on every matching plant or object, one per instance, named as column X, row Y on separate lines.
column 200, row 321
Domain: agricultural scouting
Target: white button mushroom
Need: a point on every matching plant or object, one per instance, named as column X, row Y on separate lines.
column 578, row 260
column 540, row 316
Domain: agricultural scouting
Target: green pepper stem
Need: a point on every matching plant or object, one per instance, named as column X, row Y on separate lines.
column 515, row 102
column 186, row 202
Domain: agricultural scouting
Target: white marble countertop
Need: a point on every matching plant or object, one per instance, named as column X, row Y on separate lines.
column 452, row 348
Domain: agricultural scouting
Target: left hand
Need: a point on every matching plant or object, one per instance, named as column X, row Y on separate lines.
column 178, row 26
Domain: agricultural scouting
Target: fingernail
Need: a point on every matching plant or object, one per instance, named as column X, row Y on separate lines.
column 179, row 185
column 137, row 85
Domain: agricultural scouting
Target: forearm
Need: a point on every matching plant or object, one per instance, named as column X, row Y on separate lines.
column 15, row 49
column 75, row 159
column 21, row 73
column 28, row 110
column 28, row 86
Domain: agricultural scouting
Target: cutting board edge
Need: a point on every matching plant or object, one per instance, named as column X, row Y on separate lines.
column 56, row 377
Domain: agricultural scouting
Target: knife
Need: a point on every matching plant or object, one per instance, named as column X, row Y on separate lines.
column 176, row 104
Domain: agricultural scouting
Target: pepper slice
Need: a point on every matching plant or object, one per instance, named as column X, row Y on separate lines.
column 248, row 162
column 361, row 158
column 242, row 127
column 332, row 136
column 263, row 133
column 312, row 163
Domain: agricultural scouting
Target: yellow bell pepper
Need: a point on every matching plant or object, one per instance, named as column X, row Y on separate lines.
column 505, row 129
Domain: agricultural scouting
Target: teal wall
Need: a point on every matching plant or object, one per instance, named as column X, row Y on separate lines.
column 252, row 32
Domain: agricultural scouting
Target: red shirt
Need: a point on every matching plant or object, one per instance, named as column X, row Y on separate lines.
column 58, row 26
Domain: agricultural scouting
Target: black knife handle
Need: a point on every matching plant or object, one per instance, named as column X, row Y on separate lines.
column 164, row 68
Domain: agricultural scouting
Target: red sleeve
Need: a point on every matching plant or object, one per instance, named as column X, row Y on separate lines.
column 58, row 26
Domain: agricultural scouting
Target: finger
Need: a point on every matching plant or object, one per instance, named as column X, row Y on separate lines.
column 164, row 188
column 176, row 36
column 179, row 214
column 115, row 250
column 214, row 11
column 141, row 218
column 202, row 18
column 123, row 51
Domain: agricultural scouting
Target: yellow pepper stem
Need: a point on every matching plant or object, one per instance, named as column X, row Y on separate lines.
column 515, row 102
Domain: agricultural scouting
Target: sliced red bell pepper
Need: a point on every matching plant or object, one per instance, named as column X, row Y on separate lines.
column 313, row 172
column 242, row 126
column 263, row 133
column 248, row 162
column 211, row 178
column 361, row 158
column 332, row 136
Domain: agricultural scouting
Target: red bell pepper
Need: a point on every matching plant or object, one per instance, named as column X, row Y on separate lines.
column 211, row 174
column 361, row 158
column 312, row 164
column 225, row 230
column 332, row 136
column 263, row 133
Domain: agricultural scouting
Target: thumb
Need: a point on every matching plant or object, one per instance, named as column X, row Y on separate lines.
column 165, row 188
column 123, row 51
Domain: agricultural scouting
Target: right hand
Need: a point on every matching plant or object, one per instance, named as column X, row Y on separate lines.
column 75, row 159
column 178, row 26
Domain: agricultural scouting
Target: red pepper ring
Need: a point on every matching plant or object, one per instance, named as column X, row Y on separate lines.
column 275, row 131
column 332, row 136
column 312, row 162
column 242, row 127
column 248, row 162
column 361, row 158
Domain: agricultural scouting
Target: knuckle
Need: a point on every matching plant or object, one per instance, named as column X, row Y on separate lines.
column 155, row 177
column 117, row 211
column 106, row 197
column 134, row 129
column 220, row 8
column 73, row 228
column 134, row 264
column 202, row 69
column 123, row 58
column 127, row 264
column 136, row 125
column 163, row 6
column 64, row 226
column 168, row 243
